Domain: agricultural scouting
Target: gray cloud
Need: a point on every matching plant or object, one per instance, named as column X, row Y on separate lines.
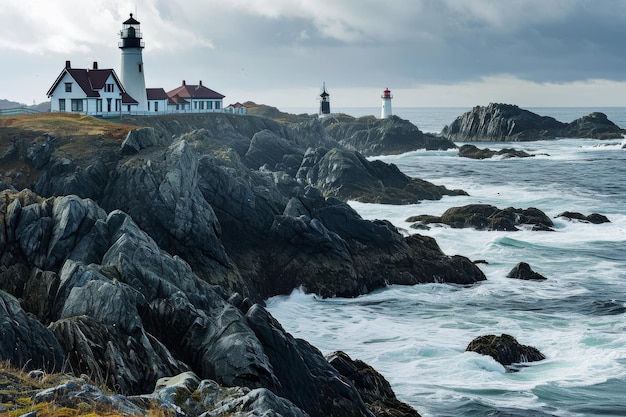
column 349, row 43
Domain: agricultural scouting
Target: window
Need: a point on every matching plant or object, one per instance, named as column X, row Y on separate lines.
column 108, row 88
column 217, row 105
column 109, row 105
column 77, row 104
column 139, row 67
column 68, row 87
column 118, row 104
column 99, row 105
column 156, row 106
column 202, row 105
column 209, row 105
column 61, row 104
column 195, row 105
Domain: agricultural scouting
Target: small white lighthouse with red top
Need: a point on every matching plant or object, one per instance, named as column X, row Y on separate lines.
column 386, row 106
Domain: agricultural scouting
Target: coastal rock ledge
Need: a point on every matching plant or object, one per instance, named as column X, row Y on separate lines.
column 509, row 123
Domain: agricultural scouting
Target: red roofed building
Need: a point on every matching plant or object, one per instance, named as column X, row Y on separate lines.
column 90, row 91
column 189, row 98
column 236, row 108
column 157, row 100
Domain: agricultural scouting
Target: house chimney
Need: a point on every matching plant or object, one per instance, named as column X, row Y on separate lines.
column 200, row 83
column 95, row 65
column 184, row 83
column 67, row 65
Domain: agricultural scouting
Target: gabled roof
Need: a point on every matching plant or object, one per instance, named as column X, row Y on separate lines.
column 236, row 105
column 176, row 100
column 194, row 92
column 91, row 81
column 156, row 94
column 127, row 99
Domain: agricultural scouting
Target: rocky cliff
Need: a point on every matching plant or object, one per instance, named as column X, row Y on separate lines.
column 149, row 256
column 371, row 136
column 504, row 122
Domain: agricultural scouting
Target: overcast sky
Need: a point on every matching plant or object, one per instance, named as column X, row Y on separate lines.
column 278, row 52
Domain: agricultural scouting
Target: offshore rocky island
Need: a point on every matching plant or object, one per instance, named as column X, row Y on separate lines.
column 138, row 254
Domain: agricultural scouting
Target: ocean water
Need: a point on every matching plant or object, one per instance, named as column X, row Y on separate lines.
column 416, row 335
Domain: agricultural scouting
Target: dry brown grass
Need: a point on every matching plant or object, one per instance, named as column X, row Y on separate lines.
column 78, row 137
column 66, row 124
column 17, row 390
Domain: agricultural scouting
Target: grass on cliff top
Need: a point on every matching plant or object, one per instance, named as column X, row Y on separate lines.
column 17, row 390
column 76, row 136
column 66, row 124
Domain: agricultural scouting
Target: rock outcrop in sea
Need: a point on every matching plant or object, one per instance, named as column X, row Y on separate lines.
column 473, row 152
column 487, row 217
column 505, row 349
column 505, row 122
column 148, row 257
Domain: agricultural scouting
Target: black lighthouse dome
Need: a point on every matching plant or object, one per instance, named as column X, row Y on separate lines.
column 130, row 34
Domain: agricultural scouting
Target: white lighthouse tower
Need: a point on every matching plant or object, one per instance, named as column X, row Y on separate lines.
column 132, row 63
column 385, row 111
column 324, row 103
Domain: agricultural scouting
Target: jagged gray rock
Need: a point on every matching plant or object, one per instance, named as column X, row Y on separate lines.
column 138, row 139
column 140, row 314
column 25, row 342
column 505, row 122
column 347, row 175
column 371, row 136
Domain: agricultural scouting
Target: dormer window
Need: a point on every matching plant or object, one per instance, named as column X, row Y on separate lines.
column 68, row 87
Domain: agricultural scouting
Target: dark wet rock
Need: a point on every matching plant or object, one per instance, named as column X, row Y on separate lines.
column 473, row 152
column 594, row 218
column 488, row 217
column 523, row 271
column 372, row 386
column 39, row 152
column 25, row 342
column 353, row 257
column 310, row 381
column 504, row 122
column 371, row 136
column 347, row 175
column 595, row 125
column 505, row 349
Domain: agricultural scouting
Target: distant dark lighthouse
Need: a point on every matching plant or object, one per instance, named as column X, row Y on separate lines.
column 324, row 102
column 132, row 70
column 385, row 111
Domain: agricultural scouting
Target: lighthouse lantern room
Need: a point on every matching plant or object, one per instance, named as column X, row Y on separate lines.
column 385, row 111
column 132, row 71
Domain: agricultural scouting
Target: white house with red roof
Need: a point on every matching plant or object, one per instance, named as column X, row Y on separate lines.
column 90, row 91
column 190, row 98
column 101, row 92
column 236, row 108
